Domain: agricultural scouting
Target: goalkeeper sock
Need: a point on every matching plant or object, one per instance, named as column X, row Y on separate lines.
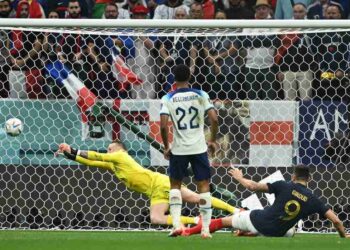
column 183, row 219
column 175, row 202
column 219, row 204
column 205, row 210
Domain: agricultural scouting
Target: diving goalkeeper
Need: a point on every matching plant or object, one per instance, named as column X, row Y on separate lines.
column 154, row 185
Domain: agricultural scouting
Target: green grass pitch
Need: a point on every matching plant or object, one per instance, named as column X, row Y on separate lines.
column 87, row 240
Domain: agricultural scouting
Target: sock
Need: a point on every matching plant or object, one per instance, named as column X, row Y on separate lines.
column 205, row 210
column 219, row 204
column 215, row 225
column 175, row 202
column 183, row 219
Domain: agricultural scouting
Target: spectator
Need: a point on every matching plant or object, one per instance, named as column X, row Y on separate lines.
column 6, row 10
column 169, row 48
column 181, row 13
column 139, row 12
column 208, row 8
column 86, row 7
column 334, row 11
column 4, row 64
column 196, row 11
column 197, row 65
column 111, row 11
column 129, row 5
column 316, row 10
column 222, row 4
column 220, row 53
column 179, row 50
column 220, row 15
column 101, row 80
column 152, row 5
column 26, row 48
column 100, row 8
column 71, row 45
column 50, row 47
column 296, row 61
column 167, row 10
column 236, row 11
column 35, row 8
column 263, row 10
column 251, row 3
column 345, row 6
column 332, row 55
column 123, row 13
column 108, row 7
column 299, row 11
column 53, row 14
column 142, row 63
column 60, row 6
column 260, row 73
column 74, row 10
column 284, row 8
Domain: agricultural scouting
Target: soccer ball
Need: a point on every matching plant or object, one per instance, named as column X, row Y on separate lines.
column 13, row 126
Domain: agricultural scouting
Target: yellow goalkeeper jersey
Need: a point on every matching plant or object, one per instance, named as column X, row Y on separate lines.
column 127, row 170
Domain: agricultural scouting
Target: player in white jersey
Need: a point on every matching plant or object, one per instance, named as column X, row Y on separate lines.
column 187, row 108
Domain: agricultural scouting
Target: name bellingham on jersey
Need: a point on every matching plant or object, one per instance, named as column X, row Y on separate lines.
column 187, row 108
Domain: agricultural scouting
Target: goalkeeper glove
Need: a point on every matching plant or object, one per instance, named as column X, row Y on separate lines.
column 72, row 155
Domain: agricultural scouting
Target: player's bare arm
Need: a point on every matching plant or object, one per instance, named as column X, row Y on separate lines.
column 214, row 128
column 249, row 184
column 164, row 131
column 64, row 147
column 330, row 215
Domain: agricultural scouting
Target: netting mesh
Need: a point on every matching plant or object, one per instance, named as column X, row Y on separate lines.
column 281, row 97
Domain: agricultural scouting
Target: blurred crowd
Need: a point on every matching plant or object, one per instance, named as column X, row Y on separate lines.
column 247, row 66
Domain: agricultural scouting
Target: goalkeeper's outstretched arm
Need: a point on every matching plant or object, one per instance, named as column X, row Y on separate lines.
column 98, row 164
column 90, row 155
column 83, row 157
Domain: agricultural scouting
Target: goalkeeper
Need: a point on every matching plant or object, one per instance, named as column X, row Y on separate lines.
column 154, row 185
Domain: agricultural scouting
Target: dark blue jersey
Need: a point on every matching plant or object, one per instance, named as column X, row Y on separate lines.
column 293, row 201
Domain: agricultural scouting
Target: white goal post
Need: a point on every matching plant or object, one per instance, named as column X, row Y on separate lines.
column 281, row 89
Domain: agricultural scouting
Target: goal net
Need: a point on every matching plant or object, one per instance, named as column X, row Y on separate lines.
column 280, row 90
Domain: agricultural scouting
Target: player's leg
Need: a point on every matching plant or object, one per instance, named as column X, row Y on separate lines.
column 201, row 169
column 239, row 221
column 160, row 204
column 215, row 224
column 192, row 197
column 177, row 171
column 158, row 216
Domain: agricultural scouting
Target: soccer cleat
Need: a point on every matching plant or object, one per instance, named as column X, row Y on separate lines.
column 176, row 232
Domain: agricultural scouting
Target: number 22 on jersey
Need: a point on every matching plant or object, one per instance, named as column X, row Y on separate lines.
column 185, row 122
